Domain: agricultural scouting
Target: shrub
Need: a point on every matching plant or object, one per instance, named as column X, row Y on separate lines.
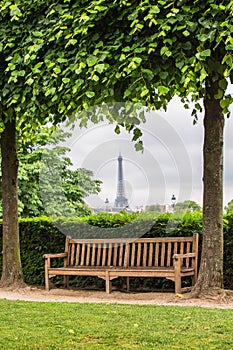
column 43, row 235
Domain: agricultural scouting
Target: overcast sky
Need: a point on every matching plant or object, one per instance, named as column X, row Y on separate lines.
column 170, row 164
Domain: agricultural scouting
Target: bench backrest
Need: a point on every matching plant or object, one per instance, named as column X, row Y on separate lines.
column 142, row 252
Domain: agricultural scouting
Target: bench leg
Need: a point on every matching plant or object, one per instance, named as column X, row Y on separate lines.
column 108, row 283
column 47, row 282
column 66, row 281
column 177, row 276
column 47, row 285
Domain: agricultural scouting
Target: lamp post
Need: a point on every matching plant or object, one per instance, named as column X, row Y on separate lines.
column 106, row 204
column 173, row 200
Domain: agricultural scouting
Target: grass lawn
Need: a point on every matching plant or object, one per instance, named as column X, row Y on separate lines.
column 30, row 325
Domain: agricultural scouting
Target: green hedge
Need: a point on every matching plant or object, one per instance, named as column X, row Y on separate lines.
column 43, row 235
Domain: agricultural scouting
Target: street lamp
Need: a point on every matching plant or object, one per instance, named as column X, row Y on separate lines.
column 106, row 204
column 173, row 200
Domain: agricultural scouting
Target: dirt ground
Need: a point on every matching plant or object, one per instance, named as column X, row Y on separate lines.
column 119, row 297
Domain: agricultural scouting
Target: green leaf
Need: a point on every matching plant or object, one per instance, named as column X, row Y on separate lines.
column 90, row 94
column 66, row 80
column 219, row 94
column 229, row 47
column 223, row 84
column 144, row 92
column 163, row 75
column 226, row 102
column 29, row 81
column 117, row 130
column 203, row 54
column 137, row 134
column 95, row 77
column 139, row 146
column 100, row 67
column 165, row 51
column 57, row 70
column 163, row 90
column 186, row 33
column 50, row 91
column 91, row 61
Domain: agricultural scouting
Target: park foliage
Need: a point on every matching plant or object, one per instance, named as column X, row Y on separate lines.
column 44, row 235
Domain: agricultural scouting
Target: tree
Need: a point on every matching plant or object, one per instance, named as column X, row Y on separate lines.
column 156, row 208
column 72, row 55
column 187, row 206
column 229, row 206
column 75, row 185
column 25, row 104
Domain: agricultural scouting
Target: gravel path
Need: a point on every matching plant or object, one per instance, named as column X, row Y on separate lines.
column 91, row 296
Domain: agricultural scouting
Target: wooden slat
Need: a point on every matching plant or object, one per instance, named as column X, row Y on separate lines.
column 98, row 254
column 175, row 248
column 157, row 254
column 115, row 254
column 121, row 255
column 128, row 240
column 169, row 249
column 150, row 255
column 132, row 262
column 104, row 255
column 88, row 263
column 109, row 263
column 72, row 254
column 181, row 251
column 93, row 255
column 164, row 239
column 145, row 252
column 77, row 254
column 83, row 255
column 126, row 255
column 139, row 254
column 182, row 248
column 162, row 260
column 188, row 249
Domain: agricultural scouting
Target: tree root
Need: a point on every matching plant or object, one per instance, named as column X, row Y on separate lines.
column 211, row 294
column 13, row 286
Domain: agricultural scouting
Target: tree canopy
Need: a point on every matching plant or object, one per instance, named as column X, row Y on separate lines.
column 229, row 206
column 187, row 205
column 40, row 150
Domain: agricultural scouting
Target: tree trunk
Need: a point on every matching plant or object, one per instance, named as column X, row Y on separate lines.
column 210, row 279
column 11, row 265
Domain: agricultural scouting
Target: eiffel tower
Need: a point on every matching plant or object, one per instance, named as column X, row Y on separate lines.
column 121, row 202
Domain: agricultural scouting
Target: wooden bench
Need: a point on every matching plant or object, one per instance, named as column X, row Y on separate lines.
column 169, row 257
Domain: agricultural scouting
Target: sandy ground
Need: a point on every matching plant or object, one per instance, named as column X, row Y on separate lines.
column 119, row 297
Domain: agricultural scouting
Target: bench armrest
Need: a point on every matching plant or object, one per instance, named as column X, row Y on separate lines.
column 182, row 256
column 59, row 255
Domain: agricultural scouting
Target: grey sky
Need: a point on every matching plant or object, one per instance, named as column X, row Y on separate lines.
column 170, row 164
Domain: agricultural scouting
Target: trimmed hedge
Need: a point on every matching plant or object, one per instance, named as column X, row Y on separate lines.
column 43, row 235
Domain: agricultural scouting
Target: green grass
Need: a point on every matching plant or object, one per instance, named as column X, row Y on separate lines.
column 31, row 325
